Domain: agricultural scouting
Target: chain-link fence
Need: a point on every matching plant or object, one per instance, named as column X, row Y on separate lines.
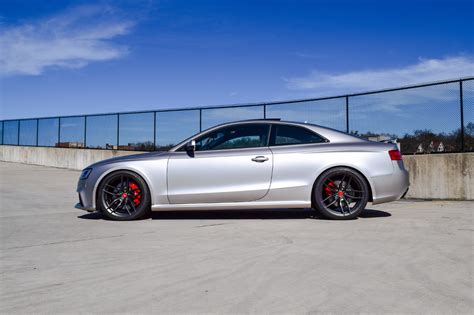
column 428, row 118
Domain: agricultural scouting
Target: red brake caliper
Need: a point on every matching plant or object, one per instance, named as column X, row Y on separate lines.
column 136, row 192
column 327, row 189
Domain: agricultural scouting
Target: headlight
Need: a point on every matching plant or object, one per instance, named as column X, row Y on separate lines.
column 85, row 173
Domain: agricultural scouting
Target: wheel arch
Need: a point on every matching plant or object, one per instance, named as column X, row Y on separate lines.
column 116, row 170
column 355, row 169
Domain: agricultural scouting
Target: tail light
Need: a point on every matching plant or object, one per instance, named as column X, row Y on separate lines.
column 395, row 155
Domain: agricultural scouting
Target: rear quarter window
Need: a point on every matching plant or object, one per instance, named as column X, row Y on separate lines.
column 291, row 135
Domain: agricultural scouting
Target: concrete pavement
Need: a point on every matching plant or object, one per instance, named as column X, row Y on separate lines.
column 403, row 257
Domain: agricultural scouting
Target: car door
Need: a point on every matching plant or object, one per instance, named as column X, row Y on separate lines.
column 294, row 161
column 230, row 164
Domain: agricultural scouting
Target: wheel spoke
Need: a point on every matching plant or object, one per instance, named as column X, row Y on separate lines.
column 118, row 206
column 353, row 190
column 113, row 201
column 126, row 208
column 348, row 205
column 113, row 187
column 133, row 206
column 348, row 182
column 108, row 192
column 342, row 181
column 327, row 198
column 353, row 197
column 342, row 207
column 335, row 200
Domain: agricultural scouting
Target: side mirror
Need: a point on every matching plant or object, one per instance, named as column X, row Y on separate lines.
column 191, row 146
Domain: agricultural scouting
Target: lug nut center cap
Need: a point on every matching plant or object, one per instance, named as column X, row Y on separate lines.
column 124, row 195
column 340, row 193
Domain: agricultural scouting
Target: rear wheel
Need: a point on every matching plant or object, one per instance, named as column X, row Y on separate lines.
column 341, row 193
column 123, row 195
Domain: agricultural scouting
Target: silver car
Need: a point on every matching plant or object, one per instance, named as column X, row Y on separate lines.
column 254, row 164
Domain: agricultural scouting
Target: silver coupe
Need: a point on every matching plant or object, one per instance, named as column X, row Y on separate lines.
column 254, row 164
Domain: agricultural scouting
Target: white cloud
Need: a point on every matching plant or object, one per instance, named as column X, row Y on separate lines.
column 426, row 70
column 71, row 39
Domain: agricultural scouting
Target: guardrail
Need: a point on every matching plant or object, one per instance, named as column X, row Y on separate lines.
column 425, row 118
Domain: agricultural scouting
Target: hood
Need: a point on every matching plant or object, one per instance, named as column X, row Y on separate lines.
column 132, row 157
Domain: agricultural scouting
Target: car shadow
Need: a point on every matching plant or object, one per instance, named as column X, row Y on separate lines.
column 267, row 214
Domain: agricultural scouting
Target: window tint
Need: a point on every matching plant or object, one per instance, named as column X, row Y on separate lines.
column 234, row 137
column 285, row 135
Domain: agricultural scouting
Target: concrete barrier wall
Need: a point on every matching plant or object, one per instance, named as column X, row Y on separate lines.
column 435, row 176
column 441, row 176
column 75, row 159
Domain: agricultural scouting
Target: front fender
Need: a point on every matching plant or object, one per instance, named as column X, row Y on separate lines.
column 152, row 172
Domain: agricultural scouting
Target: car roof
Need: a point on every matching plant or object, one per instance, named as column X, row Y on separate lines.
column 333, row 135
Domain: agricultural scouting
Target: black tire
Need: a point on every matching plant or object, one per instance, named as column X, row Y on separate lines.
column 340, row 193
column 123, row 196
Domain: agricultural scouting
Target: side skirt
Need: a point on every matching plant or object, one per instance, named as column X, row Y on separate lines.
column 233, row 205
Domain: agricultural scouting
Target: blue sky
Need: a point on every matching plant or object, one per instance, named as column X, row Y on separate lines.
column 78, row 57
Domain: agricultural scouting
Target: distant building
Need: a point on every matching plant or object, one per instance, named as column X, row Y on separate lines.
column 70, row 144
column 129, row 147
column 436, row 146
column 433, row 146
column 420, row 148
column 111, row 146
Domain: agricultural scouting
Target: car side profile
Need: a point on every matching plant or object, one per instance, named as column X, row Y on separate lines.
column 254, row 164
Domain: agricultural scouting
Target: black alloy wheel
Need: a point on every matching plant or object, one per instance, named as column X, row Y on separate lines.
column 123, row 195
column 341, row 193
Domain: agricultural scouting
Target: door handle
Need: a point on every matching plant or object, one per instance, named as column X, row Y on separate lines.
column 260, row 159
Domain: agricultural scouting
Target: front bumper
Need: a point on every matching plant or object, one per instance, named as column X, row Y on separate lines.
column 85, row 190
column 81, row 207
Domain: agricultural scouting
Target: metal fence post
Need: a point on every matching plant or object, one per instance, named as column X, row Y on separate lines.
column 347, row 114
column 18, row 138
column 85, row 131
column 37, row 131
column 118, row 130
column 59, row 131
column 200, row 119
column 264, row 111
column 154, row 131
column 461, row 108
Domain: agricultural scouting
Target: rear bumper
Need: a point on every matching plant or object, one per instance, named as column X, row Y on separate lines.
column 390, row 187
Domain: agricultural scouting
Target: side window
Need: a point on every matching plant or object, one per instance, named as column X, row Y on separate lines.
column 286, row 135
column 235, row 137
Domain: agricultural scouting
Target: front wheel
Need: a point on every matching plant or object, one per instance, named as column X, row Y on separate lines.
column 123, row 195
column 340, row 193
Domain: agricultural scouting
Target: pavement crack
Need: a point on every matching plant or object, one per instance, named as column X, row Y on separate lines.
column 207, row 225
column 66, row 242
